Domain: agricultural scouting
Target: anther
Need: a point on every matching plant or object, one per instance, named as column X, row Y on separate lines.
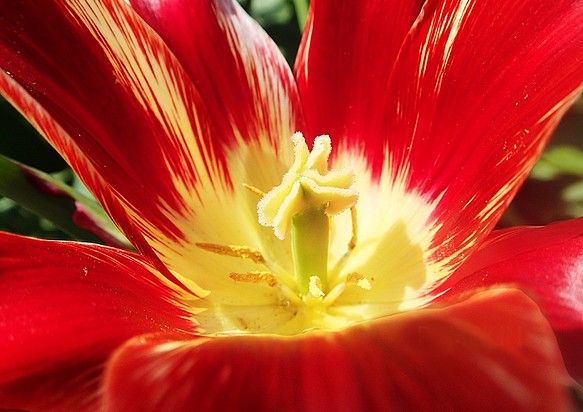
column 315, row 287
column 255, row 277
column 354, row 238
column 234, row 251
column 358, row 280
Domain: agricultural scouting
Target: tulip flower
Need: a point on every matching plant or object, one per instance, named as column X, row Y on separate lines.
column 317, row 241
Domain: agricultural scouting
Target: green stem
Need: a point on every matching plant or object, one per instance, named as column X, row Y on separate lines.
column 301, row 7
column 310, row 234
column 21, row 184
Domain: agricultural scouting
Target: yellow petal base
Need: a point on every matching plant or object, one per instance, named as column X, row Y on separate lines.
column 245, row 270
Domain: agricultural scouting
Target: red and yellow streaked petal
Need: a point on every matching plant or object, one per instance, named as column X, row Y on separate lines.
column 343, row 68
column 137, row 130
column 122, row 88
column 127, row 110
column 476, row 92
column 459, row 111
column 244, row 80
column 64, row 307
column 454, row 358
column 544, row 261
column 48, row 126
column 344, row 63
column 254, row 105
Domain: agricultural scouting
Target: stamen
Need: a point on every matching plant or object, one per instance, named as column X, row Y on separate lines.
column 351, row 244
column 255, row 277
column 333, row 294
column 253, row 189
column 234, row 251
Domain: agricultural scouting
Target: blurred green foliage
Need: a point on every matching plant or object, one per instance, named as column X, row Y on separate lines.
column 283, row 20
column 554, row 191
column 18, row 140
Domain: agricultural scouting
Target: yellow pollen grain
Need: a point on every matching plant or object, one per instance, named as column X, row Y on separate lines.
column 315, row 287
column 255, row 277
column 358, row 280
column 354, row 277
column 234, row 251
column 364, row 284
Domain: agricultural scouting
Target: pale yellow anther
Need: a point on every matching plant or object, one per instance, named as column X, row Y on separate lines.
column 315, row 287
column 308, row 184
column 358, row 280
column 364, row 284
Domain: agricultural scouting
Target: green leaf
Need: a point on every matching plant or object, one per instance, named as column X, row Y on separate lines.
column 50, row 198
column 301, row 7
column 559, row 160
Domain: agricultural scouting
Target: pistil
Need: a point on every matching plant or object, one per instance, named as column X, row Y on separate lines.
column 303, row 203
column 310, row 231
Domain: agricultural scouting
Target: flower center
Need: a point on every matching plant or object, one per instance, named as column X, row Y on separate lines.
column 292, row 262
column 308, row 196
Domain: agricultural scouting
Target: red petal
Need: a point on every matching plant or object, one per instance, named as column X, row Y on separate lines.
column 130, row 120
column 98, row 97
column 64, row 307
column 463, row 110
column 476, row 92
column 344, row 63
column 123, row 112
column 88, row 172
column 545, row 261
column 244, row 80
column 493, row 351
